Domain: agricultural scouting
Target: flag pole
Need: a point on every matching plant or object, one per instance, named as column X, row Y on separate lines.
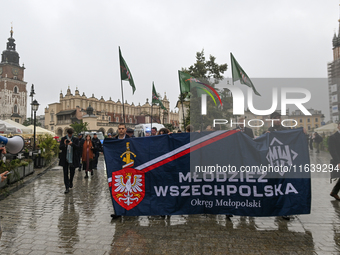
column 151, row 107
column 121, row 84
column 182, row 102
column 232, row 68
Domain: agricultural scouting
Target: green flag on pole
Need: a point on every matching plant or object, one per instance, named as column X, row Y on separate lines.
column 239, row 74
column 125, row 73
column 188, row 82
column 155, row 98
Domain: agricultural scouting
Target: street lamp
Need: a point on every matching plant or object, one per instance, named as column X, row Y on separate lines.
column 35, row 106
column 31, row 95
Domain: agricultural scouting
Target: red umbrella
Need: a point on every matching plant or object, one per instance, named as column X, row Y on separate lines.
column 56, row 137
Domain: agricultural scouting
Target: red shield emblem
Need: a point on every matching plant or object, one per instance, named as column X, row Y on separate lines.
column 128, row 187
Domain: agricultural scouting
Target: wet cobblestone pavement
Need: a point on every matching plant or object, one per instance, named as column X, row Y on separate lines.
column 40, row 219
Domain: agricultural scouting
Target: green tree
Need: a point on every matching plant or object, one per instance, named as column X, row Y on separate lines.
column 209, row 72
column 80, row 126
column 169, row 126
column 28, row 122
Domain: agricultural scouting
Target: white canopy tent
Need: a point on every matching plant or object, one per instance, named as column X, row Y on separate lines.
column 6, row 128
column 327, row 129
column 25, row 130
column 41, row 131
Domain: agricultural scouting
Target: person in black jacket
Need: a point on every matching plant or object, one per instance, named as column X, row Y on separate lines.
column 317, row 139
column 277, row 126
column 81, row 142
column 334, row 150
column 69, row 157
column 121, row 135
column 97, row 148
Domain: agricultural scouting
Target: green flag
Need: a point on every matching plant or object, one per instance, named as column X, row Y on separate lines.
column 155, row 98
column 239, row 74
column 187, row 82
column 125, row 74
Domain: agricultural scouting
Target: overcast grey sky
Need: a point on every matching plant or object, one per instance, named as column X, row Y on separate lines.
column 75, row 43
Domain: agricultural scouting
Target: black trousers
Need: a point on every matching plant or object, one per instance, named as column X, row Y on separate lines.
column 336, row 188
column 68, row 180
column 96, row 156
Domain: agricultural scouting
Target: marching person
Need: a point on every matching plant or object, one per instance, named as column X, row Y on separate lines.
column 153, row 131
column 334, row 150
column 81, row 142
column 163, row 131
column 97, row 148
column 121, row 132
column 317, row 139
column 246, row 130
column 277, row 126
column 121, row 135
column 129, row 132
column 87, row 155
column 69, row 158
column 311, row 142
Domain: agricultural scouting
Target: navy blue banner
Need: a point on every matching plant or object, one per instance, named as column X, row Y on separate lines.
column 222, row 172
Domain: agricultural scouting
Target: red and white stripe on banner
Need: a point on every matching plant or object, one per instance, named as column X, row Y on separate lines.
column 183, row 150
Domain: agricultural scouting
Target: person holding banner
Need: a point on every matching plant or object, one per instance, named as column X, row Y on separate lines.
column 121, row 135
column 278, row 127
column 276, row 123
column 334, row 150
column 121, row 132
column 246, row 130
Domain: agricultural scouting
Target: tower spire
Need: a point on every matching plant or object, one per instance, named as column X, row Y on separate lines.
column 11, row 30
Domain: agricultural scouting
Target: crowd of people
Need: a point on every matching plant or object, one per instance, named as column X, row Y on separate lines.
column 78, row 152
column 83, row 152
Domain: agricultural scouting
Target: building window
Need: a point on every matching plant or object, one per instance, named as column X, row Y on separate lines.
column 109, row 118
column 15, row 90
column 117, row 119
column 103, row 117
column 316, row 125
column 308, row 127
column 17, row 120
column 308, row 120
column 316, row 119
column 15, row 110
column 52, row 115
column 130, row 120
column 300, row 120
column 52, row 128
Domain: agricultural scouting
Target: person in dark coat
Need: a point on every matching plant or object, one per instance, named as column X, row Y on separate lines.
column 129, row 132
column 317, row 139
column 69, row 157
column 121, row 132
column 334, row 150
column 246, row 130
column 121, row 135
column 276, row 123
column 97, row 148
column 81, row 142
column 311, row 142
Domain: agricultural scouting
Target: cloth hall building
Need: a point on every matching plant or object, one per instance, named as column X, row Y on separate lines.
column 103, row 115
